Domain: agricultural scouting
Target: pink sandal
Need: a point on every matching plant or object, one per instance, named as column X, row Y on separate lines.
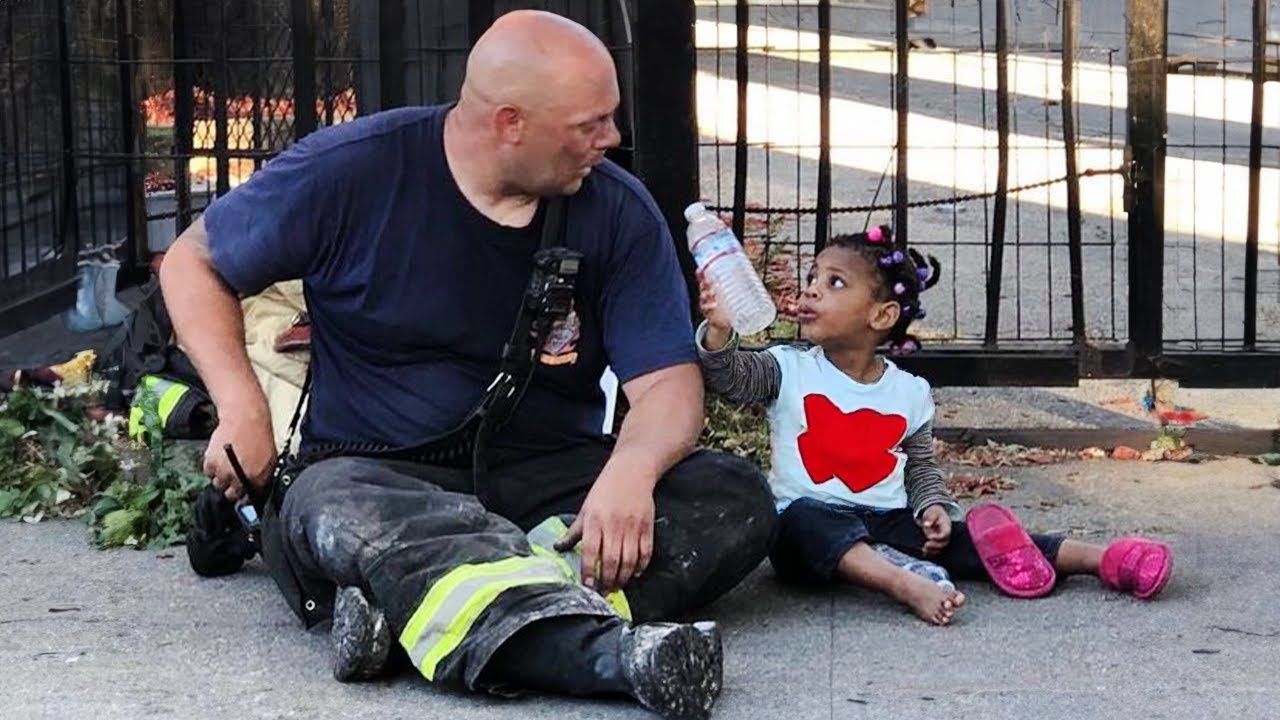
column 1137, row 565
column 1013, row 561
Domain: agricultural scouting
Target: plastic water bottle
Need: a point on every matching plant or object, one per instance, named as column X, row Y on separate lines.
column 930, row 571
column 721, row 259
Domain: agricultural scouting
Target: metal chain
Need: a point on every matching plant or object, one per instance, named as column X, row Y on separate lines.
column 956, row 199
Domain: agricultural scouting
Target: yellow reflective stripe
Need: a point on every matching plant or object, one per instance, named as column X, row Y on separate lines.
column 168, row 394
column 548, row 532
column 618, row 601
column 135, row 422
column 169, row 400
column 456, row 600
column 552, row 555
column 543, row 540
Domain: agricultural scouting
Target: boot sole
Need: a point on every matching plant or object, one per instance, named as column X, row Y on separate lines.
column 360, row 636
column 684, row 674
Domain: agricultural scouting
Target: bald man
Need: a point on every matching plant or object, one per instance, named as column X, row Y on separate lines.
column 414, row 232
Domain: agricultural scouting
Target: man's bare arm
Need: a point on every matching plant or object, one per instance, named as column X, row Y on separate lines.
column 615, row 523
column 209, row 324
column 664, row 420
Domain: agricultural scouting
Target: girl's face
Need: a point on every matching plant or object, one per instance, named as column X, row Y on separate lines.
column 841, row 304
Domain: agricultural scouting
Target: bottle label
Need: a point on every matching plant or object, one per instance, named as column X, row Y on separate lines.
column 712, row 246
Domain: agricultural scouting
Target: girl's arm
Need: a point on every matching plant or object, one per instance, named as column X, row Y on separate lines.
column 739, row 376
column 925, row 484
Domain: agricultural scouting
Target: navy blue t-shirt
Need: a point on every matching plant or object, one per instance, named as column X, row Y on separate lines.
column 412, row 292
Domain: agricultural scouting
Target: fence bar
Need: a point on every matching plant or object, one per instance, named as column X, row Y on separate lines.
column 304, row 69
column 480, row 15
column 70, row 229
column 183, row 113
column 135, row 202
column 1260, row 8
column 665, row 133
column 391, row 54
column 995, row 270
column 902, row 104
column 1147, row 119
column 742, row 17
column 822, row 229
column 220, row 78
column 1070, row 39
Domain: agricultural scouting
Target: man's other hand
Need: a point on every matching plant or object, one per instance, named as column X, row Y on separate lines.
column 615, row 526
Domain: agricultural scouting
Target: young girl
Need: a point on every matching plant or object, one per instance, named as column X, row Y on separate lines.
column 852, row 447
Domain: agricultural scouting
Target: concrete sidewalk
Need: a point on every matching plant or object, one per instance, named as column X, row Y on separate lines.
column 128, row 634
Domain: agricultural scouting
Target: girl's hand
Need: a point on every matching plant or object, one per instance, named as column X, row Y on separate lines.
column 719, row 330
column 937, row 529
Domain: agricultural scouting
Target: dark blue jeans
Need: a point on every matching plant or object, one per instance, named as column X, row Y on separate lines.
column 814, row 535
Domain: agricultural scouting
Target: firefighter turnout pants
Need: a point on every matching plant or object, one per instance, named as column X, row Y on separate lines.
column 457, row 578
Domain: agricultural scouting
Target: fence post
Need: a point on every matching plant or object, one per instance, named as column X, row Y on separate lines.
column 1260, row 8
column 821, row 224
column 902, row 112
column 995, row 272
column 183, row 114
column 1147, row 120
column 666, row 127
column 1070, row 37
column 70, row 226
column 304, row 68
column 742, row 24
column 131, row 130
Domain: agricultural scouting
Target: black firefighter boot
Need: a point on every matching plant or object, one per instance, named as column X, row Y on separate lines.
column 360, row 636
column 673, row 669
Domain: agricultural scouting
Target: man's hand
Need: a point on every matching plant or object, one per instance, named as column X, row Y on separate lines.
column 250, row 437
column 615, row 526
column 937, row 529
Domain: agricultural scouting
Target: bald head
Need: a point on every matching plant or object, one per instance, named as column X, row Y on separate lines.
column 528, row 58
column 537, row 106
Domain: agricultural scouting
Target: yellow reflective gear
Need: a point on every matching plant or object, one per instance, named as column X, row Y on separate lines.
column 167, row 393
column 456, row 600
column 543, row 540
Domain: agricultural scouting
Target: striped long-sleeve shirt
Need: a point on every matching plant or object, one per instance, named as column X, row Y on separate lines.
column 757, row 377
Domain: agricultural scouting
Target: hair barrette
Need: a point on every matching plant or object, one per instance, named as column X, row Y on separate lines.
column 875, row 235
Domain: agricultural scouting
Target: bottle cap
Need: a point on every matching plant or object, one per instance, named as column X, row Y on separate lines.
column 692, row 212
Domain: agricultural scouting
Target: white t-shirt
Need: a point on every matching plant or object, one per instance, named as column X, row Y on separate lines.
column 836, row 439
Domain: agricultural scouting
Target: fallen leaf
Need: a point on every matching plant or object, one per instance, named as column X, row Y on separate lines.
column 1180, row 455
column 970, row 486
column 1040, row 457
column 1093, row 453
column 1153, row 455
column 1124, row 452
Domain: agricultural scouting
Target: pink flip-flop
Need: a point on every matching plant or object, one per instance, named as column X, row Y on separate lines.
column 1013, row 561
column 1137, row 565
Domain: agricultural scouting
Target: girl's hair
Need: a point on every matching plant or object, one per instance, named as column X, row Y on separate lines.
column 902, row 274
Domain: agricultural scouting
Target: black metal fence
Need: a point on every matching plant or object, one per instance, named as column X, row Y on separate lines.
column 1022, row 143
column 1100, row 180
column 63, row 127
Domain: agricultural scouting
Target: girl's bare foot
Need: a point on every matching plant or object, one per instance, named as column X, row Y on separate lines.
column 928, row 601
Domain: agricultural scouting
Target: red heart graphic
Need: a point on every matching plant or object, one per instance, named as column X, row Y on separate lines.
column 852, row 447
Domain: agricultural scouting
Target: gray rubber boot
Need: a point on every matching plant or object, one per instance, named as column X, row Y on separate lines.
column 675, row 670
column 360, row 635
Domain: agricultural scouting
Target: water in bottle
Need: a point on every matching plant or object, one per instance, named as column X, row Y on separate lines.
column 721, row 259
